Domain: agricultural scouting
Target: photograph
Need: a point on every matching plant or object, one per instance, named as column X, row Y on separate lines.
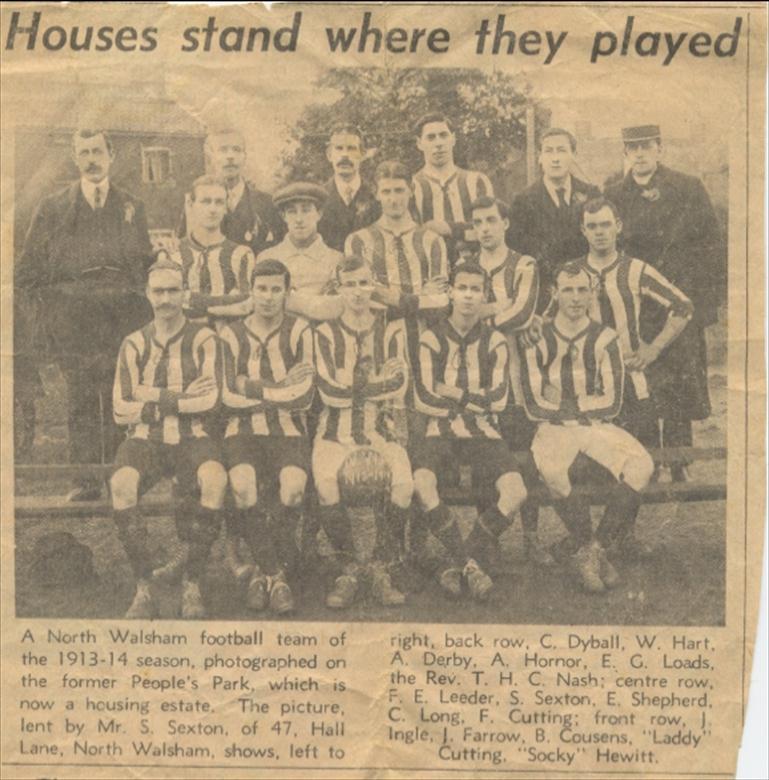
column 388, row 344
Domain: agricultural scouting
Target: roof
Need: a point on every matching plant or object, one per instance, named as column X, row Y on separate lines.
column 135, row 109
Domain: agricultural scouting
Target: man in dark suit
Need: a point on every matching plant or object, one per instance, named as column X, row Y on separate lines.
column 546, row 217
column 251, row 219
column 350, row 204
column 669, row 221
column 83, row 261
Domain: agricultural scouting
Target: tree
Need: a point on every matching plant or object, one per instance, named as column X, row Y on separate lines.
column 486, row 109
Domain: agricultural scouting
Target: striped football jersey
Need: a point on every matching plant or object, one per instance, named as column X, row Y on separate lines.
column 451, row 200
column 620, row 290
column 576, row 380
column 477, row 364
column 264, row 407
column 171, row 367
column 356, row 409
column 216, row 276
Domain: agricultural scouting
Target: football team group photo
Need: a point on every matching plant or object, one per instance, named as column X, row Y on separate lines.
column 403, row 381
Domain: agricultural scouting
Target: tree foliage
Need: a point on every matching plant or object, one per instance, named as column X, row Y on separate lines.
column 488, row 111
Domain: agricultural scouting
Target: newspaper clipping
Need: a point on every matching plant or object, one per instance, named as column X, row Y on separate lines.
column 383, row 388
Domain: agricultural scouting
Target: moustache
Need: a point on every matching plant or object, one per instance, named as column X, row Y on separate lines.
column 93, row 168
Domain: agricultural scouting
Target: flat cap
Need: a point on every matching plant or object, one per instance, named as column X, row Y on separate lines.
column 640, row 133
column 299, row 190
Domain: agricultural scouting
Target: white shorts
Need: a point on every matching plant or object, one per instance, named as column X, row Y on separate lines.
column 328, row 457
column 555, row 448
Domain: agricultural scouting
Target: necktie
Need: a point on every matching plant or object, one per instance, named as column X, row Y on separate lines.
column 348, row 195
column 561, row 193
column 231, row 202
column 97, row 199
column 404, row 271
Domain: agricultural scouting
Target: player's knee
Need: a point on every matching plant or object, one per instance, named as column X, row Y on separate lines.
column 557, row 483
column 293, row 482
column 328, row 492
column 426, row 487
column 402, row 491
column 512, row 493
column 124, row 488
column 243, row 486
column 638, row 471
column 212, row 480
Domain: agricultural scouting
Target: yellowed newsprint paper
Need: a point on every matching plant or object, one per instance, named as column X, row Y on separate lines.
column 382, row 388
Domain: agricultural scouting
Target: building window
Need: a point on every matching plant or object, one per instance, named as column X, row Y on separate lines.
column 156, row 164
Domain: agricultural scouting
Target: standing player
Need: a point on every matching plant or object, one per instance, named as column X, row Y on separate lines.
column 443, row 193
column 360, row 362
column 545, row 217
column 572, row 381
column 351, row 204
column 512, row 300
column 268, row 386
column 167, row 381
column 216, row 270
column 408, row 260
column 625, row 286
column 463, row 385
column 668, row 221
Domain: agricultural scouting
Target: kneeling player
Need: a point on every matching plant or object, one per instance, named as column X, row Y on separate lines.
column 268, row 386
column 361, row 365
column 167, row 380
column 572, row 383
column 462, row 385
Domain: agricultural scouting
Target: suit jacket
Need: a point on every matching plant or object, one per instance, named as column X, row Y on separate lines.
column 255, row 222
column 80, row 274
column 340, row 220
column 671, row 225
column 549, row 234
column 54, row 248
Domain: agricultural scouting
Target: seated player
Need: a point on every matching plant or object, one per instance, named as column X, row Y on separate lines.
column 625, row 286
column 512, row 302
column 361, row 365
column 268, row 386
column 463, row 385
column 572, row 381
column 216, row 270
column 166, row 384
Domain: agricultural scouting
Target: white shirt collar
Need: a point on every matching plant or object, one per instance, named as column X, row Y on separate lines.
column 88, row 188
column 552, row 190
column 343, row 186
column 234, row 194
column 314, row 249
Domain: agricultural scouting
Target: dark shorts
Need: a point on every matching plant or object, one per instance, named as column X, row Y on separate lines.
column 154, row 461
column 516, row 428
column 267, row 454
column 489, row 458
